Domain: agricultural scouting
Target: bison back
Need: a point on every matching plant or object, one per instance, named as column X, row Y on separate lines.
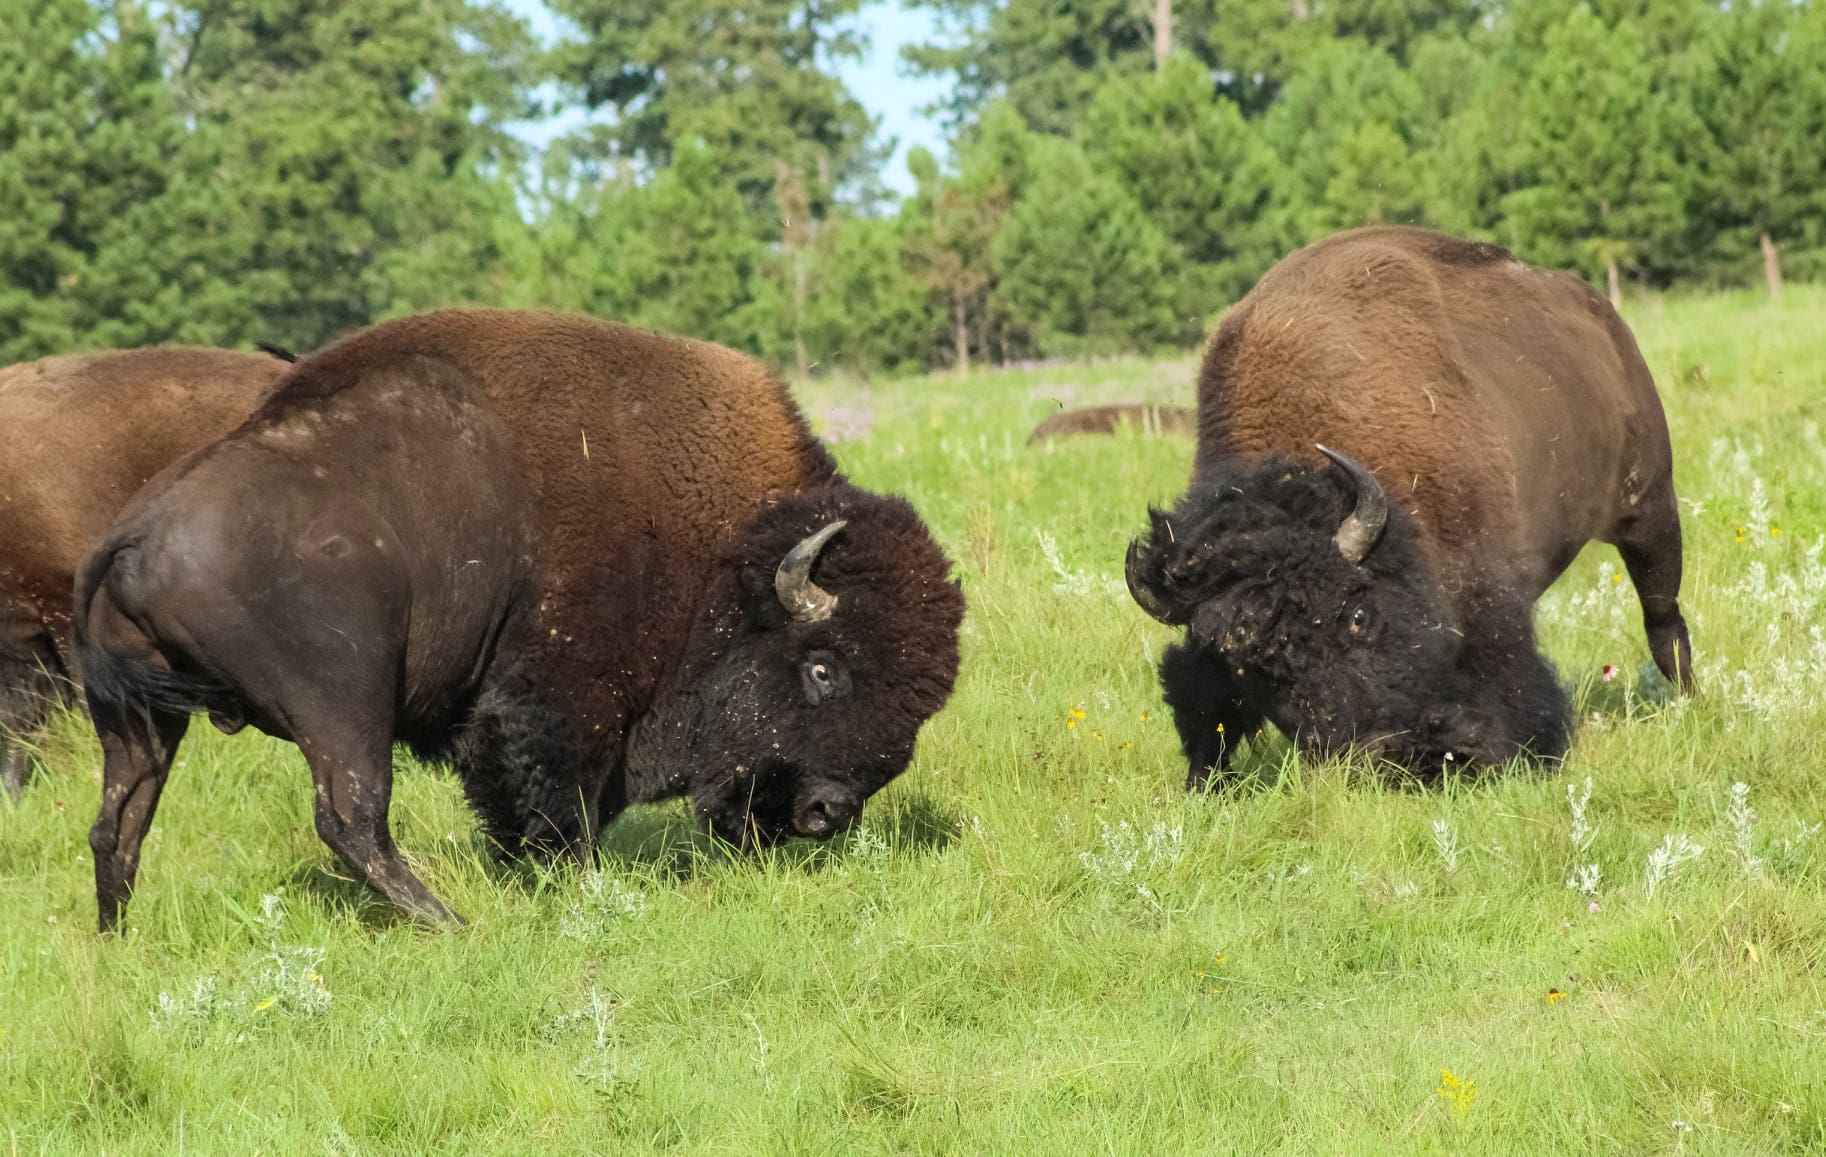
column 1506, row 408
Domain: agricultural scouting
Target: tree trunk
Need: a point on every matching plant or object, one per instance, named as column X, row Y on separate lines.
column 1772, row 267
column 962, row 320
column 1301, row 11
column 1616, row 283
column 797, row 233
column 1163, row 33
column 805, row 368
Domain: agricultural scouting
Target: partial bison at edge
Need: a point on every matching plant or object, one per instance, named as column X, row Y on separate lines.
column 79, row 434
column 1403, row 440
column 586, row 565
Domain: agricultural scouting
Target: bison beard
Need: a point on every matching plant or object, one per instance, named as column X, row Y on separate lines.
column 583, row 564
column 1510, row 415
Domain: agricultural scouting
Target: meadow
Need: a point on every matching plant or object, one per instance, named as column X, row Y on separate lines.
column 1036, row 942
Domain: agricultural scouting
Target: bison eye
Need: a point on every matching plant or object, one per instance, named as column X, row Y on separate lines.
column 1359, row 620
column 822, row 678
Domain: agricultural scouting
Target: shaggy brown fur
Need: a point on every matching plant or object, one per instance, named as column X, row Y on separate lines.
column 541, row 547
column 1505, row 410
column 79, row 434
column 1152, row 419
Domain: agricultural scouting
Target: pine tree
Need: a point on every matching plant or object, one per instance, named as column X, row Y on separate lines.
column 953, row 222
column 747, row 78
column 101, row 241
column 1762, row 97
column 1082, row 268
column 1047, row 59
column 1319, row 122
column 360, row 149
column 1199, row 170
column 1603, row 184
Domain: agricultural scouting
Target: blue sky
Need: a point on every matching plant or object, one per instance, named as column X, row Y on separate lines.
column 876, row 80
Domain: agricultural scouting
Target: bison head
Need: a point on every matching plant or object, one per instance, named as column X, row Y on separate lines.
column 830, row 638
column 1313, row 593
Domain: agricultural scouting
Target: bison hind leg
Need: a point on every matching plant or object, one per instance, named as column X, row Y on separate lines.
column 1650, row 546
column 1210, row 710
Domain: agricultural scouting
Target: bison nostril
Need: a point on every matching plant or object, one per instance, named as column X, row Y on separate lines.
column 814, row 819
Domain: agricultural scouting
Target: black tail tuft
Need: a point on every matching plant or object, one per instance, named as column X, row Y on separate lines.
column 277, row 351
column 114, row 684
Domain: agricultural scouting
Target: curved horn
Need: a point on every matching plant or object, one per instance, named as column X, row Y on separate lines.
column 804, row 599
column 1140, row 591
column 1362, row 528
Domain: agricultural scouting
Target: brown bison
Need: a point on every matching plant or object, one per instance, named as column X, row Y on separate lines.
column 1151, row 419
column 586, row 565
column 1403, row 439
column 79, row 434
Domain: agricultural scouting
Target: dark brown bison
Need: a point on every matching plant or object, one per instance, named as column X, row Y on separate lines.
column 79, row 434
column 584, row 564
column 1484, row 421
column 1150, row 418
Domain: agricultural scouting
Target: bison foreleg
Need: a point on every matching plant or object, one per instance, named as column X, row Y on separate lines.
column 1210, row 709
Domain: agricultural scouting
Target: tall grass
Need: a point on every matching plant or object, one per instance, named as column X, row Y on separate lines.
column 1037, row 942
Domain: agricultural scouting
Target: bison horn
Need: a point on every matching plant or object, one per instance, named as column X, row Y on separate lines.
column 1144, row 596
column 804, row 599
column 1362, row 528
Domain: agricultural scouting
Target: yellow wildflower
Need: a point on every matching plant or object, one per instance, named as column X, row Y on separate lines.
column 266, row 1004
column 1458, row 1090
column 1555, row 996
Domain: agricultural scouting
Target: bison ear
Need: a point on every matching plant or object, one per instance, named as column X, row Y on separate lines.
column 1142, row 575
column 1362, row 528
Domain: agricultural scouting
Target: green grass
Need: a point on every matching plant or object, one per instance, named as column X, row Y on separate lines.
column 1038, row 944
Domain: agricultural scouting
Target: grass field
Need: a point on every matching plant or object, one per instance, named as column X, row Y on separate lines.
column 1037, row 943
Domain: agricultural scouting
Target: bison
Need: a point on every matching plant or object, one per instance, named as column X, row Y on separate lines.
column 1403, row 438
column 79, row 434
column 1152, row 419
column 583, row 564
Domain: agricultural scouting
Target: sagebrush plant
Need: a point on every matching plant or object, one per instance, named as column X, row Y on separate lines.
column 977, row 967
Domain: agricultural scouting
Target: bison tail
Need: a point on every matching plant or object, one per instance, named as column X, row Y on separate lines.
column 113, row 682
